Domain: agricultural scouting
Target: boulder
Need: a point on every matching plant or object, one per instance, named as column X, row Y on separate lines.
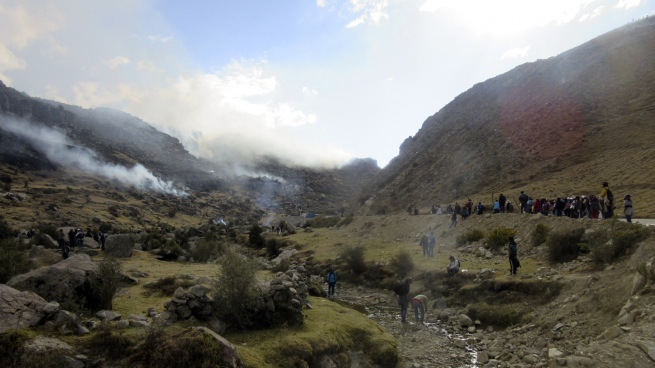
column 120, row 245
column 48, row 242
column 43, row 344
column 229, row 353
column 648, row 347
column 65, row 281
column 20, row 309
column 465, row 321
column 284, row 255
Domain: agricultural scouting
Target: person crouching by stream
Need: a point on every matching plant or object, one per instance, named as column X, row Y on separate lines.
column 420, row 303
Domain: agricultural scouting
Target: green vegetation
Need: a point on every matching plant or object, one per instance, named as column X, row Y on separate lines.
column 402, row 263
column 501, row 315
column 237, row 294
column 353, row 256
column 346, row 221
column 255, row 237
column 540, row 234
column 13, row 258
column 564, row 246
column 499, row 237
column 106, row 282
column 470, row 236
column 167, row 285
column 323, row 221
column 205, row 249
column 615, row 241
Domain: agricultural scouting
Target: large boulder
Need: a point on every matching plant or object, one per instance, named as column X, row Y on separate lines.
column 120, row 245
column 65, row 281
column 229, row 353
column 20, row 309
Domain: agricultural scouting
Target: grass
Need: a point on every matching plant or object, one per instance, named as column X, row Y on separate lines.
column 329, row 328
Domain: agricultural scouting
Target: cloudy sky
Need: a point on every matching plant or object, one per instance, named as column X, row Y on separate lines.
column 313, row 81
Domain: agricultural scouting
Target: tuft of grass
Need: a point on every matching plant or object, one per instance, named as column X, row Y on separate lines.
column 354, row 258
column 540, row 234
column 402, row 263
column 498, row 238
column 345, row 221
column 501, row 315
column 470, row 236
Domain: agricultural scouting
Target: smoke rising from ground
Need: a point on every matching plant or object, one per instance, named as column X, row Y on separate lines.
column 59, row 149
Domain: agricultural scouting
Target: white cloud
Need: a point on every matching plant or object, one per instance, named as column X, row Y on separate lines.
column 598, row 11
column 117, row 61
column 517, row 52
column 309, row 91
column 93, row 94
column 158, row 38
column 627, row 4
column 147, row 66
column 370, row 12
column 506, row 17
column 320, row 3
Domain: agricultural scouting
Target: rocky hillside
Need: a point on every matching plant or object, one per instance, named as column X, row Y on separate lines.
column 554, row 127
column 120, row 165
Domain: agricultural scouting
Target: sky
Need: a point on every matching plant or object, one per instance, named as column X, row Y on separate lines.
column 313, row 82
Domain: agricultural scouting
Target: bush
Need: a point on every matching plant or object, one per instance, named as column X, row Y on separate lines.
column 540, row 234
column 470, row 236
column 106, row 282
column 499, row 237
column 14, row 260
column 273, row 246
column 346, row 221
column 166, row 286
column 324, row 221
column 205, row 249
column 564, row 246
column 238, row 296
column 607, row 246
column 402, row 264
column 49, row 229
column 255, row 237
column 354, row 258
column 152, row 240
column 162, row 349
column 502, row 315
column 6, row 231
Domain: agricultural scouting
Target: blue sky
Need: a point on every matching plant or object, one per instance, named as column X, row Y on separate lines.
column 316, row 82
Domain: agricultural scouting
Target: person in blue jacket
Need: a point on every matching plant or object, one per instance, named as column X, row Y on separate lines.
column 332, row 281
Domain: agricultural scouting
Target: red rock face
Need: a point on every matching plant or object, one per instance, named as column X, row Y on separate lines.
column 542, row 120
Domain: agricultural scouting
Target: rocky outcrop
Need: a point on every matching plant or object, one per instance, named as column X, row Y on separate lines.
column 66, row 281
column 229, row 355
column 120, row 245
column 193, row 302
column 287, row 296
column 20, row 309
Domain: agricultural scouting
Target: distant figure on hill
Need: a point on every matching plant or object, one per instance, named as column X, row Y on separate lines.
column 464, row 212
column 332, row 282
column 480, row 208
column 409, row 210
column 523, row 200
column 62, row 238
column 420, row 303
column 513, row 252
column 510, row 207
column 424, row 244
column 103, row 237
column 502, row 200
column 607, row 201
column 431, row 244
column 559, row 206
column 627, row 208
column 433, row 210
column 415, row 211
column 594, row 206
column 453, row 266
column 453, row 220
column 458, row 209
column 449, row 209
column 65, row 250
column 496, row 206
column 71, row 237
column 80, row 238
column 402, row 289
column 469, row 206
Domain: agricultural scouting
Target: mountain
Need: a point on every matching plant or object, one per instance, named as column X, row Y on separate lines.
column 554, row 128
column 63, row 157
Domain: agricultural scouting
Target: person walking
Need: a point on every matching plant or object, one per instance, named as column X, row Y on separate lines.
column 332, row 282
column 513, row 256
column 403, row 300
column 420, row 303
column 431, row 244
column 453, row 220
column 627, row 208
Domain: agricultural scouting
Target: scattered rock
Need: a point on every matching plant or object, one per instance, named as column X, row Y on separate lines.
column 20, row 309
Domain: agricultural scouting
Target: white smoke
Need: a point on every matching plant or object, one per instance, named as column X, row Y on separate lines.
column 59, row 149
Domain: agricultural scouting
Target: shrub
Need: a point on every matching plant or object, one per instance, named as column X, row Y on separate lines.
column 49, row 229
column 540, row 234
column 273, row 246
column 152, row 240
column 238, row 296
column 14, row 260
column 354, row 258
column 607, row 246
column 502, row 315
column 470, row 236
column 5, row 230
column 499, row 237
column 324, row 221
column 346, row 221
column 162, row 349
column 106, row 282
column 204, row 250
column 402, row 263
column 564, row 246
column 113, row 345
column 255, row 237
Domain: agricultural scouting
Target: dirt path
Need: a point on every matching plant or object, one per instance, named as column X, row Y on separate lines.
column 427, row 345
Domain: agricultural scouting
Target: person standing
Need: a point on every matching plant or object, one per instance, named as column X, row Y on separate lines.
column 424, row 244
column 420, row 303
column 523, row 200
column 453, row 220
column 62, row 238
column 431, row 244
column 606, row 201
column 502, row 200
column 513, row 256
column 403, row 300
column 627, row 208
column 496, row 207
column 332, row 282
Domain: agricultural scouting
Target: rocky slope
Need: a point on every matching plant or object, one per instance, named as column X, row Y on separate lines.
column 553, row 127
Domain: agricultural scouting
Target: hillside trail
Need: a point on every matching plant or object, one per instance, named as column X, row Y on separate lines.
column 421, row 345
